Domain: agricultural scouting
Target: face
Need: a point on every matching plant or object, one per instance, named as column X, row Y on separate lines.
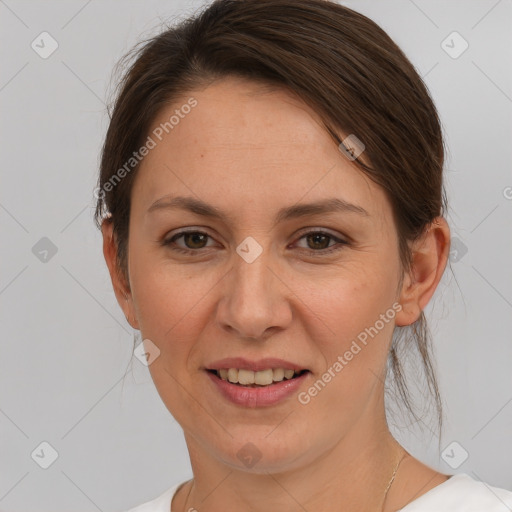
column 267, row 282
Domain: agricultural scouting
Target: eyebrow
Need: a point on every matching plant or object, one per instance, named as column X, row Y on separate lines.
column 330, row 205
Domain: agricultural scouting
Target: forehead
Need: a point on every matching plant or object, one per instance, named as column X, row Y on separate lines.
column 235, row 114
column 245, row 143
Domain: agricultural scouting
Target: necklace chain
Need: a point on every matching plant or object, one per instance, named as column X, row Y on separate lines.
column 392, row 480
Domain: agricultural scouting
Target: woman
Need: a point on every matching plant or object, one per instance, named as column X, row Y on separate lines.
column 271, row 202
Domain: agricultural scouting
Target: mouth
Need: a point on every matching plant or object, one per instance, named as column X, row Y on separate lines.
column 256, row 379
column 261, row 386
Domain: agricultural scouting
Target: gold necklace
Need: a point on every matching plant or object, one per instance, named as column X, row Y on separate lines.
column 385, row 492
column 392, row 480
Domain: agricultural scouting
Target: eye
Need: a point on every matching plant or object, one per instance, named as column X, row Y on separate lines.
column 194, row 240
column 320, row 241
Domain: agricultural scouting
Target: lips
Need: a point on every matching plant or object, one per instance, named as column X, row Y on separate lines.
column 256, row 383
column 258, row 395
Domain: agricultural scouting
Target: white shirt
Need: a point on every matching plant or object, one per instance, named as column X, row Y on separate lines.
column 460, row 493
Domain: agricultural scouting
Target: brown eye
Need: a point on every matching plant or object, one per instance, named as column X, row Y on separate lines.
column 195, row 240
column 319, row 243
column 318, row 240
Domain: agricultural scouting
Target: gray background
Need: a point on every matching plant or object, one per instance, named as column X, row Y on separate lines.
column 67, row 375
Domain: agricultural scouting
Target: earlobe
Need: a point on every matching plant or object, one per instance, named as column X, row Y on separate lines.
column 121, row 288
column 429, row 258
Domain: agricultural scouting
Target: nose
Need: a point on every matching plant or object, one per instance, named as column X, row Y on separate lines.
column 255, row 299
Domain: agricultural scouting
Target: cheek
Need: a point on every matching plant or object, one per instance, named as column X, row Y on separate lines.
column 164, row 293
column 359, row 315
column 352, row 301
column 168, row 303
column 171, row 311
column 353, row 357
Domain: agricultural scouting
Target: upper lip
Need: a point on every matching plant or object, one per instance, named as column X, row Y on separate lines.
column 241, row 363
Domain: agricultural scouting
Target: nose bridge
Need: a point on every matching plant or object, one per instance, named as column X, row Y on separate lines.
column 251, row 278
column 251, row 304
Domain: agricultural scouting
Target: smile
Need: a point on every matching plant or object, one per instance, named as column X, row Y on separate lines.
column 243, row 377
column 254, row 389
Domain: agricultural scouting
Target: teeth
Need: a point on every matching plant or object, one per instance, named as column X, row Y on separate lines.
column 245, row 377
column 278, row 374
column 288, row 374
column 264, row 378
column 260, row 378
column 233, row 375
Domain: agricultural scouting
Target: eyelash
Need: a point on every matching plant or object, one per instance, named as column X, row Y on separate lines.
column 321, row 252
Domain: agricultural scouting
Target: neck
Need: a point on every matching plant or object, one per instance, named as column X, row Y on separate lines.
column 350, row 476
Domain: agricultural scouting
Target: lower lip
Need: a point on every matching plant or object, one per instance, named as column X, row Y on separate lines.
column 257, row 397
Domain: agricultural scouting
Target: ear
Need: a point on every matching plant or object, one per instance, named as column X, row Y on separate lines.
column 429, row 258
column 121, row 287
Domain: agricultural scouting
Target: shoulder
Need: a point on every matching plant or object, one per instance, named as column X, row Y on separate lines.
column 462, row 493
column 160, row 504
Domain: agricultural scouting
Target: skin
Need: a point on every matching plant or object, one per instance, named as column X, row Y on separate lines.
column 251, row 151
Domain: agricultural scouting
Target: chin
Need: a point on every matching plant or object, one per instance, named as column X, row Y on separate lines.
column 260, row 453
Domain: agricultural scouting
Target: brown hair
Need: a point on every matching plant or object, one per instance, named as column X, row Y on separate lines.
column 341, row 64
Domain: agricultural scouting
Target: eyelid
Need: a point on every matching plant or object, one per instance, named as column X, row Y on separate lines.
column 315, row 229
